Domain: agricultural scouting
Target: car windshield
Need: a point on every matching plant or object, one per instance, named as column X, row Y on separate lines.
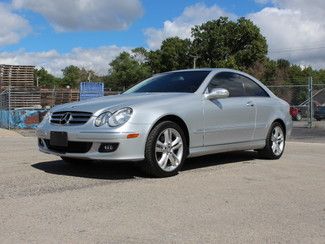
column 183, row 81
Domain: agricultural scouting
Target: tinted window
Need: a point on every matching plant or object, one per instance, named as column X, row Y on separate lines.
column 185, row 81
column 252, row 89
column 230, row 81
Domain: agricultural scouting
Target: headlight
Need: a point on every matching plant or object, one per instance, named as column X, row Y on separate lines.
column 120, row 117
column 117, row 118
column 47, row 117
column 102, row 119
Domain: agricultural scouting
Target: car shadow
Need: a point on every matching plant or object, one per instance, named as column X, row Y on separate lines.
column 130, row 170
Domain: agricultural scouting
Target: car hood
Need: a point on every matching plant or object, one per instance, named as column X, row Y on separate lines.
column 114, row 102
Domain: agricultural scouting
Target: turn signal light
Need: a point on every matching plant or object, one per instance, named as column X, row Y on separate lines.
column 131, row 136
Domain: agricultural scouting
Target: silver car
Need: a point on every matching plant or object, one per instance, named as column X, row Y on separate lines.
column 170, row 117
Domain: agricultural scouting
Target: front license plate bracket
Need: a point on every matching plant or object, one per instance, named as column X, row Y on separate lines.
column 59, row 139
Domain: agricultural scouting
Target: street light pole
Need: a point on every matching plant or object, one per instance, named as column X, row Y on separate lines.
column 195, row 57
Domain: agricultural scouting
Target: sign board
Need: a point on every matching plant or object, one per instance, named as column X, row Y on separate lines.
column 90, row 90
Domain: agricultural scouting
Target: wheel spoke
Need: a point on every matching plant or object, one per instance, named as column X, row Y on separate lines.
column 171, row 159
column 167, row 135
column 175, row 160
column 160, row 146
column 163, row 161
column 176, row 141
column 177, row 146
column 273, row 146
column 159, row 149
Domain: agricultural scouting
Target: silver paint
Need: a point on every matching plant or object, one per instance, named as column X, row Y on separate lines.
column 217, row 125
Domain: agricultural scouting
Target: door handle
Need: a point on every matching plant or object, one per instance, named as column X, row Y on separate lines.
column 250, row 104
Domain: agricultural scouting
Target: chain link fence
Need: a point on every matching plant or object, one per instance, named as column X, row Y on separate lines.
column 303, row 99
column 19, row 105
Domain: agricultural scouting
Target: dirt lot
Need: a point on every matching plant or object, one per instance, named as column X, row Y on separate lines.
column 232, row 198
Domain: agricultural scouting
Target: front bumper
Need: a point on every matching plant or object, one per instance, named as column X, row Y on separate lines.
column 127, row 150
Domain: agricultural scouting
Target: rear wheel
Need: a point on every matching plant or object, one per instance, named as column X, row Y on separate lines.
column 165, row 151
column 275, row 142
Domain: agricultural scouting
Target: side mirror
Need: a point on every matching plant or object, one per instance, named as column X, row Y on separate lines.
column 217, row 93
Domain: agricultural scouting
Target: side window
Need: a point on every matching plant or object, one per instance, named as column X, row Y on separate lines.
column 230, row 81
column 252, row 89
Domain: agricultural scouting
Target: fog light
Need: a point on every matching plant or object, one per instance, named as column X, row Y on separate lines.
column 108, row 147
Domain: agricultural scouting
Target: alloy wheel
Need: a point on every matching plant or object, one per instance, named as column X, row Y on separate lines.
column 169, row 149
column 277, row 139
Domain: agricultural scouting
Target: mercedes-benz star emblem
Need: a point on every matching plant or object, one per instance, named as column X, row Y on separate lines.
column 65, row 119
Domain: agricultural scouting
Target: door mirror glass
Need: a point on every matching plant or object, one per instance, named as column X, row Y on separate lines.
column 217, row 93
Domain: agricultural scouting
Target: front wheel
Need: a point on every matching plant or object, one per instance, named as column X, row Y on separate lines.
column 275, row 142
column 165, row 151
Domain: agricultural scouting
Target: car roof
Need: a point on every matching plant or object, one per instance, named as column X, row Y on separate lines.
column 216, row 70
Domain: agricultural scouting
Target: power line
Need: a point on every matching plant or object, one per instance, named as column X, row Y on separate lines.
column 301, row 49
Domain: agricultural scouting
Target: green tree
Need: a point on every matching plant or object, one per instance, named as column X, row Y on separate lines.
column 89, row 75
column 226, row 43
column 71, row 76
column 125, row 71
column 154, row 61
column 175, row 54
column 44, row 79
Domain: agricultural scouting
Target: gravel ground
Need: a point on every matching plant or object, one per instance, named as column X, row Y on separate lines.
column 233, row 198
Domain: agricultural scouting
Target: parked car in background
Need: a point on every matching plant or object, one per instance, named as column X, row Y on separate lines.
column 295, row 113
column 319, row 113
column 168, row 118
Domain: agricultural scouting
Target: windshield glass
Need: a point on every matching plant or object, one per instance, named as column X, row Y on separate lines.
column 183, row 81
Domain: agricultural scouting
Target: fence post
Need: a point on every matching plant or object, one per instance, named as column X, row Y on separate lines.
column 310, row 102
column 9, row 102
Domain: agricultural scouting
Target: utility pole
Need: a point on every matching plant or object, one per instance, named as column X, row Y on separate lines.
column 195, row 57
column 89, row 75
column 310, row 104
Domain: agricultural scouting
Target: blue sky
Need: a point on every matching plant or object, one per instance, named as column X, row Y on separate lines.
column 58, row 33
column 45, row 37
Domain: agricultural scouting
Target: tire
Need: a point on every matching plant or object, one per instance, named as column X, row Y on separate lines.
column 75, row 161
column 162, row 159
column 275, row 142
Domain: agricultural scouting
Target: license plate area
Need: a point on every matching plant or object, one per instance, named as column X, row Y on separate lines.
column 59, row 139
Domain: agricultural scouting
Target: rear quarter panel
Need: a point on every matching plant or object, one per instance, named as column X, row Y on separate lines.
column 269, row 110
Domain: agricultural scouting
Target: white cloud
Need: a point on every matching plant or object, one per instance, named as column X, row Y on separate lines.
column 75, row 15
column 295, row 30
column 181, row 26
column 13, row 26
column 96, row 59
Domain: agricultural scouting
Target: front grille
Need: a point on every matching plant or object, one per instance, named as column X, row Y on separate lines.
column 73, row 147
column 70, row 117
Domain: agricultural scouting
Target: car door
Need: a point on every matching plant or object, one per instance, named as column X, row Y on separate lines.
column 228, row 120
